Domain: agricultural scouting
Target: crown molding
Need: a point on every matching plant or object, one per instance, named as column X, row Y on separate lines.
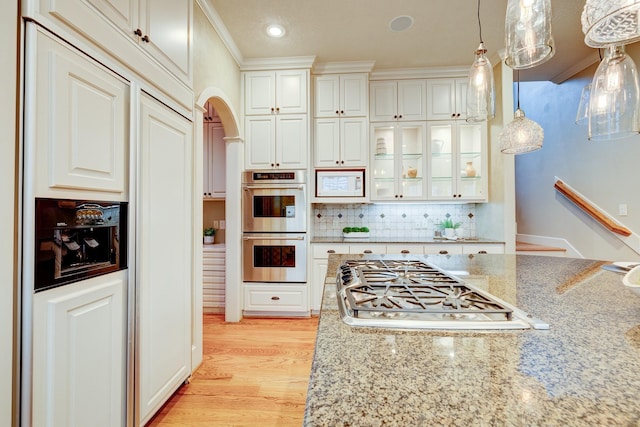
column 343, row 67
column 575, row 69
column 419, row 73
column 281, row 63
column 219, row 27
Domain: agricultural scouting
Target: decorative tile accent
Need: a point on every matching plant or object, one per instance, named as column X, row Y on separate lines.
column 381, row 215
column 339, row 215
column 426, row 216
column 361, row 216
column 470, row 215
column 404, row 215
column 319, row 215
column 448, row 215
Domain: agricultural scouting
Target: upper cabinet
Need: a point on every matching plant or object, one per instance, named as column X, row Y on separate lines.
column 458, row 161
column 341, row 95
column 403, row 100
column 151, row 37
column 275, row 92
column 340, row 126
column 276, row 119
column 446, row 99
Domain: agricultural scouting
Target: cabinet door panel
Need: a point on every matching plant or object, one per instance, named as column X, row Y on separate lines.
column 383, row 101
column 82, row 127
column 260, row 92
column 327, row 142
column 291, row 91
column 260, row 148
column 412, row 103
column 354, row 142
column 167, row 24
column 326, row 94
column 164, row 303
column 440, row 99
column 353, row 95
column 79, row 353
column 292, row 141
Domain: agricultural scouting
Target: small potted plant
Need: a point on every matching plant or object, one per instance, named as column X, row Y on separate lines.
column 449, row 227
column 355, row 232
column 209, row 234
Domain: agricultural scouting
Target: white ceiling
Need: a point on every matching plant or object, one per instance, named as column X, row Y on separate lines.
column 444, row 32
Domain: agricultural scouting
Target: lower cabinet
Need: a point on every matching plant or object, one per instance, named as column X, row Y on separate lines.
column 79, row 353
column 276, row 298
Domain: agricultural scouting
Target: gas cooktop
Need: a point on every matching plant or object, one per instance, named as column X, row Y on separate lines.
column 413, row 294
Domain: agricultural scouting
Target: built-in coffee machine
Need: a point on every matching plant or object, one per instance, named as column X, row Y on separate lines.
column 78, row 239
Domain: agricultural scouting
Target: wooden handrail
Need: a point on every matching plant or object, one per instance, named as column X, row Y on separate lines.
column 583, row 204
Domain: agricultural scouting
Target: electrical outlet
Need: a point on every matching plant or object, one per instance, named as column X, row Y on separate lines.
column 622, row 209
column 222, row 224
column 216, row 224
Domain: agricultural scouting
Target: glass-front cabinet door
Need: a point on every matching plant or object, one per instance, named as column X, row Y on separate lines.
column 457, row 161
column 398, row 155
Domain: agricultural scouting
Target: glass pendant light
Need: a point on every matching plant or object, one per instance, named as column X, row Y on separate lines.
column 481, row 93
column 582, row 116
column 521, row 135
column 612, row 22
column 615, row 97
column 528, row 37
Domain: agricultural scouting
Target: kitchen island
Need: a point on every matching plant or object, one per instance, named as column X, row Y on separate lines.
column 583, row 371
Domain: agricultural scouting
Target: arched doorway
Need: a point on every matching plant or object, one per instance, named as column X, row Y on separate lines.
column 234, row 159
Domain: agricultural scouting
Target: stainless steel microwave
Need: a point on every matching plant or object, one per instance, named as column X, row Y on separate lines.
column 346, row 183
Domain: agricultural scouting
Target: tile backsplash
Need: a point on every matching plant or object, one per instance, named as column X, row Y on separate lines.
column 392, row 220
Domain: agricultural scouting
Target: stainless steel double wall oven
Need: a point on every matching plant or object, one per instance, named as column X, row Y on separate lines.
column 274, row 226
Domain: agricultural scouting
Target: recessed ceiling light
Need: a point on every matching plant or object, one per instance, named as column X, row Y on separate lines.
column 401, row 23
column 275, row 30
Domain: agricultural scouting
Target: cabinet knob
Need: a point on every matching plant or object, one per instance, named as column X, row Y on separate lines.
column 275, row 298
column 482, row 252
column 459, row 195
column 396, row 196
column 331, row 251
column 337, row 112
column 401, row 196
column 272, row 165
column 138, row 32
column 443, row 252
column 458, row 115
column 453, row 115
column 337, row 162
column 367, row 251
column 400, row 116
column 277, row 165
column 273, row 109
column 395, row 117
column 341, row 111
column 145, row 38
column 342, row 162
column 277, row 109
column 404, row 251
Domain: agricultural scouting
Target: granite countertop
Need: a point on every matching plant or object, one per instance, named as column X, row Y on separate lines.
column 399, row 239
column 583, row 371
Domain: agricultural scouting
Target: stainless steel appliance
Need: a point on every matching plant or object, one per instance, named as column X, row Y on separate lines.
column 274, row 202
column 78, row 239
column 274, row 226
column 340, row 183
column 413, row 294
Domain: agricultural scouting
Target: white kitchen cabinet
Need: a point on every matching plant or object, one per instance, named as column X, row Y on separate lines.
column 446, row 99
column 402, row 100
column 80, row 114
column 213, row 278
column 483, row 248
column 79, row 348
column 341, row 142
column 276, row 92
column 146, row 35
column 398, row 161
column 458, row 166
column 321, row 252
column 163, row 255
column 341, row 95
column 214, row 159
column 405, row 248
column 280, row 298
column 443, row 248
column 276, row 142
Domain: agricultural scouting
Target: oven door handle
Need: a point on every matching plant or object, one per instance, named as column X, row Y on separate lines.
column 273, row 187
column 272, row 238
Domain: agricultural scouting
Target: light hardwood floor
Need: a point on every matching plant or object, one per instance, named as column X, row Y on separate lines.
column 254, row 373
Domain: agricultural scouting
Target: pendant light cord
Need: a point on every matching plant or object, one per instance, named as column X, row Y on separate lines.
column 479, row 23
column 518, row 95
